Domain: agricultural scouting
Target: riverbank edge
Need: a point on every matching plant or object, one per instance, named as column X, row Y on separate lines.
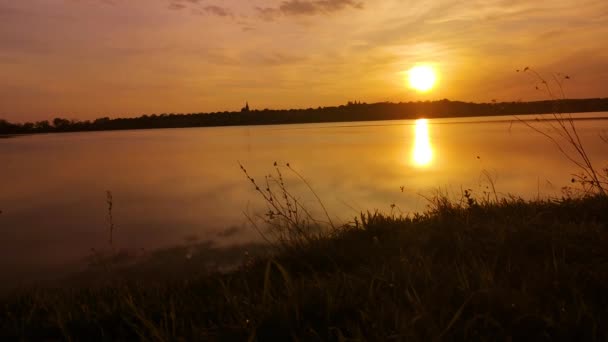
column 462, row 270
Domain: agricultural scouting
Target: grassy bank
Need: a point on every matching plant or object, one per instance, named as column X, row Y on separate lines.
column 509, row 270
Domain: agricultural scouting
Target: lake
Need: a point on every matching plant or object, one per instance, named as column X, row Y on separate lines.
column 174, row 185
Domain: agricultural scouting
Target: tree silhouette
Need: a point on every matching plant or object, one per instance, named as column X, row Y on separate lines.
column 352, row 111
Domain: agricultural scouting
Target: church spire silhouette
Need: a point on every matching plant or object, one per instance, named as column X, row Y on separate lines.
column 246, row 108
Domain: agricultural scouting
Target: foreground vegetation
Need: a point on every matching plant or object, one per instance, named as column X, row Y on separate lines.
column 464, row 270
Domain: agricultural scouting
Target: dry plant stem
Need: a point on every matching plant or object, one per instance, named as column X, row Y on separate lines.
column 565, row 129
column 314, row 193
column 297, row 205
column 288, row 209
column 110, row 203
column 255, row 226
column 283, row 210
column 492, row 182
column 269, row 198
column 287, row 219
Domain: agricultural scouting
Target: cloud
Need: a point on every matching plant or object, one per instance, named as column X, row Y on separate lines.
column 196, row 6
column 184, row 2
column 306, row 8
column 217, row 10
column 176, row 6
column 273, row 59
column 181, row 4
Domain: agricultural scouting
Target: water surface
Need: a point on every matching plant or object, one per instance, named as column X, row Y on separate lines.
column 170, row 185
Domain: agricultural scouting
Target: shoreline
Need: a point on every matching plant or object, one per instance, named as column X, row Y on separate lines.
column 351, row 112
column 442, row 269
column 515, row 119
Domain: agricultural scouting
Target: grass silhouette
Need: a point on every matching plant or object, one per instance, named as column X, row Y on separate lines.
column 470, row 269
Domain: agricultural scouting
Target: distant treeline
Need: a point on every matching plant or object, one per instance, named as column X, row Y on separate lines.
column 353, row 111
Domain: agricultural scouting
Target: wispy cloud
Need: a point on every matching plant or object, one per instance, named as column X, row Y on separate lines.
column 181, row 4
column 307, row 8
column 197, row 8
column 184, row 2
column 176, row 6
column 217, row 10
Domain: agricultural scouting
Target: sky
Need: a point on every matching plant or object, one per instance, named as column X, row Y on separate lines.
column 84, row 59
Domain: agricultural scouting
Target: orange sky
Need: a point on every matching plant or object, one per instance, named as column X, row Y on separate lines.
column 84, row 59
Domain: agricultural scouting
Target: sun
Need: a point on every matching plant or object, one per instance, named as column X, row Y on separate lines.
column 422, row 78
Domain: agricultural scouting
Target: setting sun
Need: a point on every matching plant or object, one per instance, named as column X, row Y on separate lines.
column 422, row 78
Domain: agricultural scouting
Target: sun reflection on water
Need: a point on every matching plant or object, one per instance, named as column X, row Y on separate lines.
column 423, row 152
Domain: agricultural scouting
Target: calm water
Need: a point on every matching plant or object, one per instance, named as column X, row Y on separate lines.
column 175, row 184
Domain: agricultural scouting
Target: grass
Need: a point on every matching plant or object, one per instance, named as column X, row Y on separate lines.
column 504, row 269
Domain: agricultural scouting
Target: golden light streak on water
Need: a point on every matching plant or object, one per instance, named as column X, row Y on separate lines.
column 422, row 154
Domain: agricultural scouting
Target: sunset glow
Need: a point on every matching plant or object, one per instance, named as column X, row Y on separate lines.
column 84, row 60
